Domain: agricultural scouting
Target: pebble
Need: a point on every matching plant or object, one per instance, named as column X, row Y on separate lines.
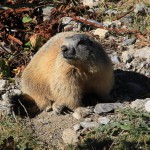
column 106, row 107
column 138, row 103
column 87, row 119
column 3, row 84
column 139, row 8
column 82, row 112
column 103, row 120
column 70, row 136
column 115, row 59
column 102, row 33
column 77, row 127
column 147, row 106
column 46, row 12
column 89, row 124
column 129, row 41
column 5, row 97
column 77, row 115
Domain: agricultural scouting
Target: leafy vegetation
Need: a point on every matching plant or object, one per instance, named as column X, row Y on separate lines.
column 131, row 130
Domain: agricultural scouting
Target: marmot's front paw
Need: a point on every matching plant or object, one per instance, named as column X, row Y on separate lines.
column 58, row 108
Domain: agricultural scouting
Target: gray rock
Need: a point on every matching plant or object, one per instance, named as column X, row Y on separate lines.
column 128, row 66
column 6, row 97
column 15, row 92
column 136, row 53
column 77, row 127
column 103, row 120
column 106, row 107
column 77, row 115
column 138, row 103
column 140, row 8
column 3, row 84
column 46, row 12
column 115, row 59
column 70, row 136
column 147, row 105
column 129, row 41
column 111, row 12
column 89, row 124
column 68, row 22
column 87, row 119
column 127, row 19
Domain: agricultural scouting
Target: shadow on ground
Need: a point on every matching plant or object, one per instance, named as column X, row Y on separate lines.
column 128, row 87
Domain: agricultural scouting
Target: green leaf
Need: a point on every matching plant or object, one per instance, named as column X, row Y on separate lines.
column 4, row 68
column 28, row 44
column 125, row 127
column 26, row 19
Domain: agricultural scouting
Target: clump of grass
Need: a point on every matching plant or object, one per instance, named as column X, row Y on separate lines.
column 131, row 130
column 16, row 133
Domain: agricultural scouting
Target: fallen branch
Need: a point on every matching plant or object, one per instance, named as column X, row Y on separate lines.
column 86, row 21
column 15, row 39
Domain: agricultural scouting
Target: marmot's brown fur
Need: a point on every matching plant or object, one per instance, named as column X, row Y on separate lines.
column 69, row 66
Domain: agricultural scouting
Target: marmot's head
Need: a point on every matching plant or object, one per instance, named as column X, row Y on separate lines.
column 80, row 48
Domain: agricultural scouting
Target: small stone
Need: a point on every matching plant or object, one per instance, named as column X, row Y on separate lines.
column 3, row 84
column 106, row 107
column 111, row 12
column 82, row 112
column 128, row 66
column 77, row 115
column 103, row 120
column 70, row 136
column 15, row 92
column 138, row 103
column 147, row 106
column 89, row 124
column 129, row 41
column 5, row 97
column 87, row 119
column 115, row 59
column 77, row 127
column 102, row 33
column 90, row 3
column 126, row 57
column 140, row 8
column 46, row 12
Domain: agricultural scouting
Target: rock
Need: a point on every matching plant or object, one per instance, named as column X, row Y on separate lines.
column 46, row 12
column 138, row 103
column 15, row 92
column 115, row 59
column 90, row 3
column 3, row 84
column 103, row 120
column 147, row 105
column 143, row 53
column 77, row 115
column 140, row 8
column 68, row 22
column 5, row 97
column 106, row 107
column 102, row 33
column 77, row 127
column 128, row 66
column 129, row 41
column 111, row 12
column 87, row 119
column 70, row 136
column 126, row 57
column 126, row 20
column 82, row 112
column 89, row 124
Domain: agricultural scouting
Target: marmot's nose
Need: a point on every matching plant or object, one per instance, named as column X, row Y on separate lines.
column 68, row 52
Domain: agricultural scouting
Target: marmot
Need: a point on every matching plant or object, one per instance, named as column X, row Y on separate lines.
column 65, row 69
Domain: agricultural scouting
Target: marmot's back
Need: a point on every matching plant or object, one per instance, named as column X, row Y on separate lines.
column 69, row 66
